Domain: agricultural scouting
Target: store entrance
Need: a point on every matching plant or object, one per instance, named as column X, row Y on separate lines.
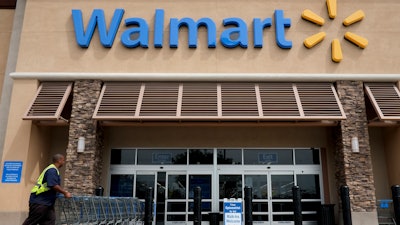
column 221, row 173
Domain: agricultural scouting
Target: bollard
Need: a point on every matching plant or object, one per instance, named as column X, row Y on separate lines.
column 99, row 191
column 214, row 218
column 326, row 214
column 197, row 206
column 148, row 206
column 298, row 218
column 396, row 202
column 248, row 206
column 346, row 210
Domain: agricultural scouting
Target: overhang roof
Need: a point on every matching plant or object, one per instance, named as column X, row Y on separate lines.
column 211, row 101
column 49, row 102
column 385, row 98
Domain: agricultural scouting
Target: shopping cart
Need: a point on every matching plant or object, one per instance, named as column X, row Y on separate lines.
column 98, row 210
column 385, row 212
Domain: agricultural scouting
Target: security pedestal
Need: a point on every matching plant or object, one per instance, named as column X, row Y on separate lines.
column 214, row 218
column 326, row 214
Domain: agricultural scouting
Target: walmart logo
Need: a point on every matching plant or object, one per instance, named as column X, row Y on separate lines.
column 136, row 32
column 337, row 55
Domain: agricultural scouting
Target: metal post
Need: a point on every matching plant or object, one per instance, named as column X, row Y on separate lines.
column 396, row 202
column 248, row 207
column 197, row 206
column 346, row 210
column 148, row 206
column 298, row 218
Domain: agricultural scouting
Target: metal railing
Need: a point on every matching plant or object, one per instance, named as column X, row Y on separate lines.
column 99, row 210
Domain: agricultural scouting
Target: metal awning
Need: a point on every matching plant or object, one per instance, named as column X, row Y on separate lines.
column 49, row 102
column 208, row 101
column 385, row 98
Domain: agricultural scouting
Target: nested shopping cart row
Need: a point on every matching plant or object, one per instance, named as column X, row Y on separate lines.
column 99, row 210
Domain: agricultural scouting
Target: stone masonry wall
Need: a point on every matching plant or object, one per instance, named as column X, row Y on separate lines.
column 354, row 169
column 83, row 170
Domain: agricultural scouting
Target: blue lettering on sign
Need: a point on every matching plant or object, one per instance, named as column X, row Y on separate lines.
column 240, row 29
column 83, row 37
column 192, row 27
column 258, row 28
column 280, row 24
column 142, row 32
column 137, row 32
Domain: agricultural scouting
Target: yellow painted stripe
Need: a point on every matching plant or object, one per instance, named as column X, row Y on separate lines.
column 353, row 18
column 356, row 39
column 332, row 8
column 312, row 17
column 314, row 39
column 337, row 55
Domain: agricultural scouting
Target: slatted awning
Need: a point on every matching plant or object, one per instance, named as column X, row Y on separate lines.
column 49, row 102
column 385, row 98
column 135, row 101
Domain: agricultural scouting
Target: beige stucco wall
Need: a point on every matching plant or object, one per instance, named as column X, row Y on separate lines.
column 16, row 147
column 48, row 29
column 378, row 146
column 33, row 145
column 48, row 45
column 393, row 155
column 6, row 18
column 26, row 143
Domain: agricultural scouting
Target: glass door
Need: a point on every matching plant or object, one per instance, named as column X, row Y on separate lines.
column 180, row 194
column 259, row 183
column 272, row 195
column 281, row 197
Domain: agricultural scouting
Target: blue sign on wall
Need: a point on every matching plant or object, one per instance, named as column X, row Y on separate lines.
column 12, row 172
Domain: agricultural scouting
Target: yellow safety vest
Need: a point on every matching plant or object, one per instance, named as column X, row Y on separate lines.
column 40, row 187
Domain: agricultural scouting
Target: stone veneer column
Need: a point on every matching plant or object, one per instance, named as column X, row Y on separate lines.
column 355, row 169
column 83, row 170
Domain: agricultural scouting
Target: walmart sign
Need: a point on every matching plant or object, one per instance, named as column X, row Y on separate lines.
column 136, row 33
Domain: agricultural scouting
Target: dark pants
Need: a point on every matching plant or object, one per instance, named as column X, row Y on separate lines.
column 40, row 214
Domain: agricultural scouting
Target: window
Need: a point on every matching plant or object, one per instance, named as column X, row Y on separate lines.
column 8, row 4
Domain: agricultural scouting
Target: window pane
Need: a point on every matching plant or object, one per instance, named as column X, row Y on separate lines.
column 309, row 186
column 202, row 181
column 229, row 156
column 230, row 186
column 282, row 206
column 176, row 217
column 205, row 206
column 268, row 156
column 123, row 156
column 283, row 217
column 258, row 183
column 161, row 156
column 143, row 182
column 310, row 206
column 282, row 186
column 176, row 186
column 307, row 156
column 200, row 156
column 177, row 207
column 260, row 217
column 121, row 186
column 260, row 207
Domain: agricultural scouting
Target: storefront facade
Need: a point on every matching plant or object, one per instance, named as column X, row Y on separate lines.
column 219, row 94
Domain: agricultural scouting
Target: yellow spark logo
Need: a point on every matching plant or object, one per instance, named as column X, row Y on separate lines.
column 337, row 55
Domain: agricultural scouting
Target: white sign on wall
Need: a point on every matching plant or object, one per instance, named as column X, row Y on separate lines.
column 233, row 209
